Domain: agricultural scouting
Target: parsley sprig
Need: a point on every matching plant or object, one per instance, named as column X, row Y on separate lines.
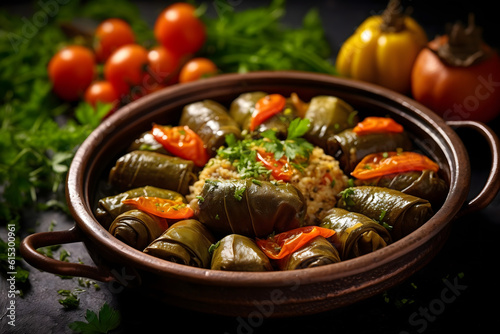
column 243, row 154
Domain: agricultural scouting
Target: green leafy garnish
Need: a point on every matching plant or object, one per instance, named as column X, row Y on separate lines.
column 70, row 300
column 107, row 320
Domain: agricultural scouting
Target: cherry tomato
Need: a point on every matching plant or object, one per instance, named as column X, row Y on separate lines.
column 265, row 108
column 161, row 207
column 71, row 71
column 285, row 243
column 380, row 164
column 178, row 29
column 163, row 67
column 110, row 35
column 376, row 125
column 183, row 142
column 280, row 169
column 101, row 91
column 126, row 68
column 196, row 69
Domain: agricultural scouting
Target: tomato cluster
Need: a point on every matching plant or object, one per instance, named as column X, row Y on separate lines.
column 129, row 69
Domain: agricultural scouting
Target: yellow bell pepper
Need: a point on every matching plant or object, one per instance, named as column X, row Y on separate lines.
column 383, row 49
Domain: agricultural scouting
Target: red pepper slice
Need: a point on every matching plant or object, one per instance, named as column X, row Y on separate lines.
column 380, row 164
column 283, row 244
column 161, row 207
column 183, row 142
column 266, row 107
column 376, row 125
column 280, row 169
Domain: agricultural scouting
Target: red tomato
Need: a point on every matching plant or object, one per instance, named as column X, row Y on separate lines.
column 286, row 243
column 380, row 164
column 163, row 67
column 196, row 69
column 110, row 35
column 376, row 125
column 161, row 207
column 178, row 29
column 183, row 142
column 126, row 68
column 280, row 169
column 457, row 92
column 101, row 91
column 71, row 70
column 265, row 108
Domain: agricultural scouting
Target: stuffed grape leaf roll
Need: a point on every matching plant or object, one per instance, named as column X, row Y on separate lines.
column 242, row 107
column 239, row 253
column 108, row 208
column 349, row 148
column 355, row 234
column 424, row 184
column 328, row 115
column 211, row 121
column 402, row 212
column 185, row 242
column 317, row 252
column 250, row 207
column 137, row 228
column 143, row 168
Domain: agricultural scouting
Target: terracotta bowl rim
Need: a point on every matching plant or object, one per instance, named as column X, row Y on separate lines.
column 83, row 215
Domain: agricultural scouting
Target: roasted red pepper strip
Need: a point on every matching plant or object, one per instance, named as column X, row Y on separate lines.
column 266, row 107
column 182, row 142
column 280, row 169
column 283, row 244
column 161, row 207
column 380, row 164
column 376, row 125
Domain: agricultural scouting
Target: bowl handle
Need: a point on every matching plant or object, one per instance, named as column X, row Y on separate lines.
column 31, row 243
column 492, row 186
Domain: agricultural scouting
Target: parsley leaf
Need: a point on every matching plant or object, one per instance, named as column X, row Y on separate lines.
column 107, row 320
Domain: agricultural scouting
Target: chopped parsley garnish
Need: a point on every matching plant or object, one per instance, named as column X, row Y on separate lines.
column 243, row 153
column 238, row 193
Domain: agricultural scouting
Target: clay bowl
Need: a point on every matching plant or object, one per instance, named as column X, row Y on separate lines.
column 285, row 293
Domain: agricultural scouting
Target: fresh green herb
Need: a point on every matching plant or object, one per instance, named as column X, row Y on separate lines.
column 256, row 39
column 257, row 182
column 345, row 195
column 70, row 300
column 213, row 247
column 200, row 199
column 382, row 215
column 238, row 193
column 107, row 320
column 242, row 153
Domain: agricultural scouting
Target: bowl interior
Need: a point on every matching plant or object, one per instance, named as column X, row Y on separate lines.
column 88, row 173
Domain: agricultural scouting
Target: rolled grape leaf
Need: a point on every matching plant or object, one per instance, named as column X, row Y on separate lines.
column 355, row 234
column 249, row 207
column 328, row 115
column 211, row 121
column 137, row 228
column 242, row 107
column 144, row 168
column 317, row 252
column 349, row 148
column 402, row 212
column 185, row 242
column 110, row 207
column 424, row 184
column 235, row 252
column 147, row 142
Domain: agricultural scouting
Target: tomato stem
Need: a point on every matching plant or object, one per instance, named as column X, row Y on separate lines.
column 464, row 46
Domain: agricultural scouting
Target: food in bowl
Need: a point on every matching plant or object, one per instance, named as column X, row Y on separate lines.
column 267, row 183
